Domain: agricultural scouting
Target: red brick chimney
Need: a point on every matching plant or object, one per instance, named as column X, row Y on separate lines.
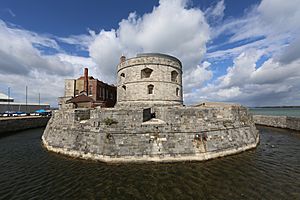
column 122, row 59
column 86, row 81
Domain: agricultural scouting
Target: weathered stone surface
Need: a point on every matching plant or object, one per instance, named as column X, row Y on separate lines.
column 177, row 133
column 132, row 88
column 278, row 121
column 12, row 124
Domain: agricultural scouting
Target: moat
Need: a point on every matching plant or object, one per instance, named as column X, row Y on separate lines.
column 271, row 171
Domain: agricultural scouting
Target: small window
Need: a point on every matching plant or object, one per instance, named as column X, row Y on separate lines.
column 174, row 76
column 90, row 90
column 103, row 93
column 146, row 73
column 177, row 91
column 122, row 75
column 150, row 89
column 124, row 87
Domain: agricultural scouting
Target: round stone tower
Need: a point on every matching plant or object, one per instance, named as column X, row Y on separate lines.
column 149, row 79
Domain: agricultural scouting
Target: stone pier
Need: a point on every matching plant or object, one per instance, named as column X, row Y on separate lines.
column 292, row 123
column 12, row 124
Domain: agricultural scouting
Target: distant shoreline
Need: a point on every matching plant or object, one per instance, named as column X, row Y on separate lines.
column 290, row 111
column 276, row 107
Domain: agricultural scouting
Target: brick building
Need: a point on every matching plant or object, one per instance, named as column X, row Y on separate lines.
column 87, row 91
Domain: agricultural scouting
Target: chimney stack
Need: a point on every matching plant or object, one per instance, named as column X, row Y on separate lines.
column 86, row 81
column 122, row 59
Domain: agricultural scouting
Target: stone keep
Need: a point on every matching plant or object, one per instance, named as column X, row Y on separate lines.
column 149, row 79
column 145, row 125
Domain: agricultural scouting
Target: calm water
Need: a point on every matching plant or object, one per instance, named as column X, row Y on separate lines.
column 272, row 171
column 292, row 112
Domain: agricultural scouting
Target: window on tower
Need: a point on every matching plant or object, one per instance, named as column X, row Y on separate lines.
column 177, row 91
column 150, row 89
column 174, row 76
column 146, row 73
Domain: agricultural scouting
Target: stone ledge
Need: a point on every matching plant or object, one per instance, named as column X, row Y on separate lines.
column 14, row 124
column 292, row 123
column 165, row 158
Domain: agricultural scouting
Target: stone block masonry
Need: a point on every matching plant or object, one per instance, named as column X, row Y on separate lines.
column 278, row 121
column 12, row 124
column 151, row 79
column 176, row 134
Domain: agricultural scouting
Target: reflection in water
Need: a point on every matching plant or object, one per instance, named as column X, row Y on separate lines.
column 272, row 171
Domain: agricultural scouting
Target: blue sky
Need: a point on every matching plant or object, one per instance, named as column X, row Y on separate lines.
column 233, row 51
column 64, row 18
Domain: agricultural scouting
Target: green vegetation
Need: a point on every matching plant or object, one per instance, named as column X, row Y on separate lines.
column 109, row 121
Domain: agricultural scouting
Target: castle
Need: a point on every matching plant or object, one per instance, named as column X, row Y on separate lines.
column 149, row 80
column 149, row 121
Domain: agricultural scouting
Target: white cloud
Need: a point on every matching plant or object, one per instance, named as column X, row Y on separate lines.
column 273, row 83
column 215, row 13
column 291, row 52
column 229, row 92
column 197, row 77
column 274, row 72
column 239, row 73
column 270, row 19
column 79, row 63
column 22, row 63
column 270, row 29
column 280, row 17
column 19, row 56
column 82, row 41
column 170, row 28
column 105, row 51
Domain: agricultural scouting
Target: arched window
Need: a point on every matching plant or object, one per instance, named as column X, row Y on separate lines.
column 124, row 87
column 150, row 89
column 177, row 91
column 146, row 73
column 174, row 76
column 122, row 75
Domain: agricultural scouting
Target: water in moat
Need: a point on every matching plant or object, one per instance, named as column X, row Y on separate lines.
column 271, row 171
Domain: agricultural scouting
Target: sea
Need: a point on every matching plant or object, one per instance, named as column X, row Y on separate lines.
column 291, row 112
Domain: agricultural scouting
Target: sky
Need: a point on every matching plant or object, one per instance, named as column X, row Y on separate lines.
column 243, row 52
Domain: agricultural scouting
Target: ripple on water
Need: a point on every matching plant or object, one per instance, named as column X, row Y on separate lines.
column 271, row 171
